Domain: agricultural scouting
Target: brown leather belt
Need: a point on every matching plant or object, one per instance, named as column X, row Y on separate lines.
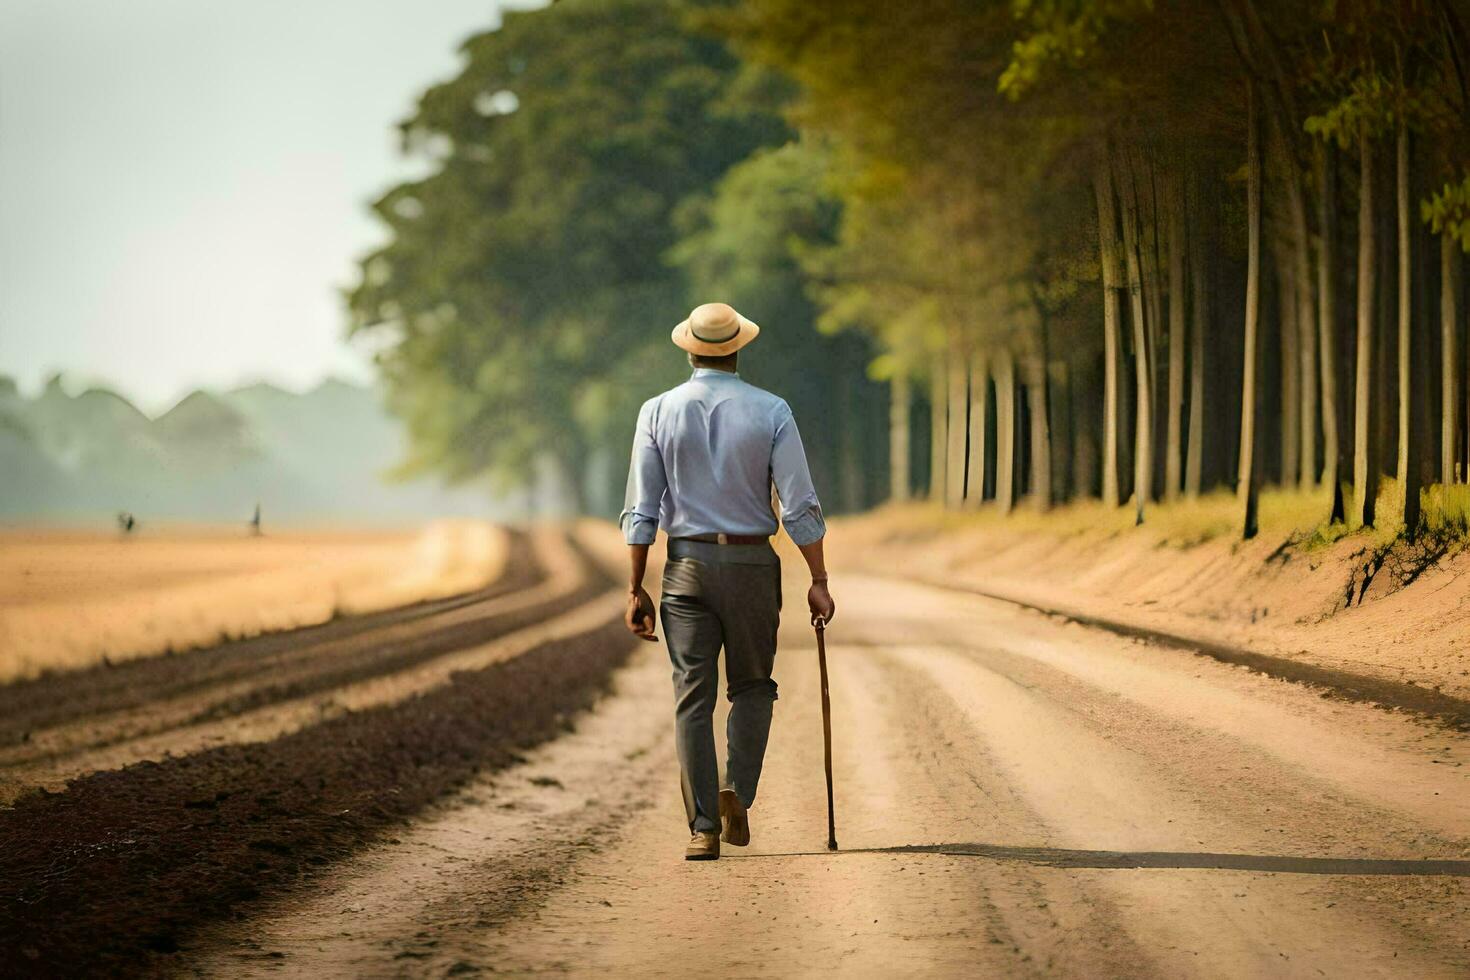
column 726, row 538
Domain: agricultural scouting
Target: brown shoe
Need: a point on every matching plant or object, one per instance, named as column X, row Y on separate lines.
column 703, row 846
column 733, row 818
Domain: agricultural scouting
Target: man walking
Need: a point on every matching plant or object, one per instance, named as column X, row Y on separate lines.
column 705, row 457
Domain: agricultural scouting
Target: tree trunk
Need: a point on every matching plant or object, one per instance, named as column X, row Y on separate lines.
column 1173, row 459
column 1107, row 223
column 1303, row 410
column 979, row 403
column 1408, row 469
column 1152, row 266
column 1036, row 393
column 1005, row 431
column 1086, row 449
column 1143, row 415
column 1061, row 397
column 1449, row 320
column 1327, row 326
column 959, row 383
column 1199, row 280
column 899, row 401
column 1465, row 313
column 938, row 434
column 1365, row 474
column 849, row 445
column 1290, row 374
column 1247, row 488
column 1306, row 324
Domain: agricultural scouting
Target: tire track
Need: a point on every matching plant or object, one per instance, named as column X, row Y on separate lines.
column 427, row 902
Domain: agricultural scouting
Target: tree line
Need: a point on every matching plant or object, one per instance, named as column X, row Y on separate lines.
column 1131, row 249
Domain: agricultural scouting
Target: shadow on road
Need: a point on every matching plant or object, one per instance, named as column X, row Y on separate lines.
column 1061, row 857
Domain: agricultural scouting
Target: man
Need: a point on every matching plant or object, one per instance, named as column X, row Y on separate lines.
column 705, row 457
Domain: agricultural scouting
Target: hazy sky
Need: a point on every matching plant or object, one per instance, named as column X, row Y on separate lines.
column 183, row 183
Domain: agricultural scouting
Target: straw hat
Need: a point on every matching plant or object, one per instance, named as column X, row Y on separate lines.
column 714, row 330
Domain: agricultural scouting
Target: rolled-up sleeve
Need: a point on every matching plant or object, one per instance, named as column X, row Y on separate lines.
column 646, row 482
column 801, row 511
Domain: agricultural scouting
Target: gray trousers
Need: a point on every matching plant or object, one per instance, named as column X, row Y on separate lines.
column 721, row 596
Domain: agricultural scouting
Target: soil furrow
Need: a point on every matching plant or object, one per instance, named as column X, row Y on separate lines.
column 381, row 658
column 52, row 700
column 116, row 871
column 395, row 647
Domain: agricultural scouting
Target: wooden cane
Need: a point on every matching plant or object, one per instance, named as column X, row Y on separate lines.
column 820, row 625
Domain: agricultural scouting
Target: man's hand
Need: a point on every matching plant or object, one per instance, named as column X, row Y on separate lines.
column 819, row 601
column 639, row 617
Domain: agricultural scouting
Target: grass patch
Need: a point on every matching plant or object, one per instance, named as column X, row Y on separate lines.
column 1296, row 517
column 1445, row 519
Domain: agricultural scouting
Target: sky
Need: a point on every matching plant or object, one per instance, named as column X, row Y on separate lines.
column 184, row 184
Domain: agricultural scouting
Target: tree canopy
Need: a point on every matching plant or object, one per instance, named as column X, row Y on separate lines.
column 1106, row 237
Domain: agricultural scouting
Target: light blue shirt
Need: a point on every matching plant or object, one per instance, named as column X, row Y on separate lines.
column 705, row 457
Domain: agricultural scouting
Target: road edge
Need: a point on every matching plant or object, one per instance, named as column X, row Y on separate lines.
column 1344, row 685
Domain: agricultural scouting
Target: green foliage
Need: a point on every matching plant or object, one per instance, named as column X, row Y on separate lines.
column 742, row 240
column 1370, row 106
column 1447, row 212
column 746, row 243
column 880, row 185
column 525, row 283
column 1060, row 32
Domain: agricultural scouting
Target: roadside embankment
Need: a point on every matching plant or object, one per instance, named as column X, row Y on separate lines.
column 70, row 600
column 1363, row 604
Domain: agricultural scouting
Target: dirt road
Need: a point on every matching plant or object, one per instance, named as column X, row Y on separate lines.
column 1016, row 797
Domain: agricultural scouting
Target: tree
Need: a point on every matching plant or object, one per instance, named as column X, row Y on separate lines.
column 1247, row 485
column 1005, row 431
column 1143, row 472
column 516, row 291
column 978, row 437
column 1174, row 416
column 900, row 398
column 1327, row 325
column 1408, row 471
column 957, row 270
column 1365, row 473
column 746, row 242
column 1112, row 315
column 1199, row 320
column 1451, row 262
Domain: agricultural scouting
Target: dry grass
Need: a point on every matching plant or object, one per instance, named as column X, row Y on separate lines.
column 1297, row 515
column 1446, row 520
column 71, row 599
column 1180, row 524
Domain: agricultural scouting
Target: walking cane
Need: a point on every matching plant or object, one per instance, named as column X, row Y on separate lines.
column 820, row 625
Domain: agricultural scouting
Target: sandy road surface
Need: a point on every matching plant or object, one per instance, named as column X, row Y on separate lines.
column 1016, row 796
